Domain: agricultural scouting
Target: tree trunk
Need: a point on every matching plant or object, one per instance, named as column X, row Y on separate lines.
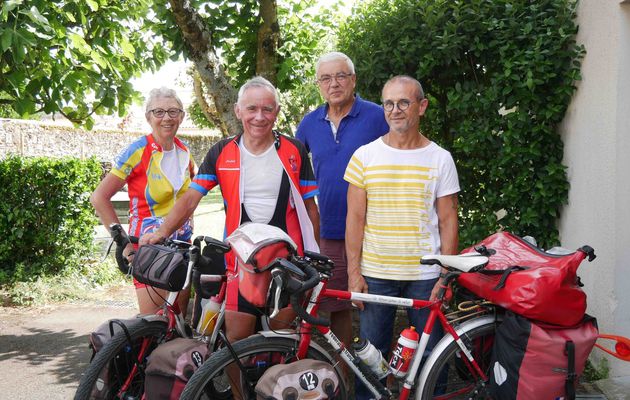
column 208, row 110
column 268, row 40
column 198, row 43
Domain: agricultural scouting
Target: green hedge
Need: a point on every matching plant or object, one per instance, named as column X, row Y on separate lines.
column 499, row 75
column 46, row 219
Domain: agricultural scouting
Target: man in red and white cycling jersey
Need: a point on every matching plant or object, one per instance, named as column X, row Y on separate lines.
column 265, row 177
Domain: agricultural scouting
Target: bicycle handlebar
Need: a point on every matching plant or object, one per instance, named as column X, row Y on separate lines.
column 295, row 281
column 313, row 280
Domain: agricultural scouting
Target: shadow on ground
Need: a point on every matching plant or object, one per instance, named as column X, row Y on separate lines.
column 66, row 352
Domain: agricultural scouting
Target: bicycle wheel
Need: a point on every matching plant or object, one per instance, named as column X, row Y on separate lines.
column 257, row 353
column 451, row 376
column 109, row 374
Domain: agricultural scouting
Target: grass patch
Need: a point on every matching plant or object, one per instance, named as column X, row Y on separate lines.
column 77, row 284
column 595, row 372
column 213, row 197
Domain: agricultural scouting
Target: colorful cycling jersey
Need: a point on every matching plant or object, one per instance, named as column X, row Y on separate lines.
column 151, row 194
column 222, row 166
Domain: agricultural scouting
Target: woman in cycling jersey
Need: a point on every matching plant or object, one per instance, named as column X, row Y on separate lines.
column 157, row 169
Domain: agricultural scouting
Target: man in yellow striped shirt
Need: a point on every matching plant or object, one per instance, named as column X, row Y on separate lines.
column 402, row 204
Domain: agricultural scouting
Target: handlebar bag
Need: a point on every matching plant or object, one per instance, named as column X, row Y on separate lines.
column 160, row 266
column 256, row 247
column 171, row 365
column 533, row 360
column 529, row 281
column 303, row 379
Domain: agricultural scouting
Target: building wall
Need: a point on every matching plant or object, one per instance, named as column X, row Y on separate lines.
column 597, row 152
column 34, row 138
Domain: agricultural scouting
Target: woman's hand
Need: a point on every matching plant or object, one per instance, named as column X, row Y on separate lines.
column 129, row 252
column 151, row 238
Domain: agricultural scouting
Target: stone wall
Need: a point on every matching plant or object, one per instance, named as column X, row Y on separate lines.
column 38, row 139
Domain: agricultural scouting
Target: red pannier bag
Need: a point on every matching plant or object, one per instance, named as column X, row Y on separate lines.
column 257, row 246
column 533, row 361
column 529, row 281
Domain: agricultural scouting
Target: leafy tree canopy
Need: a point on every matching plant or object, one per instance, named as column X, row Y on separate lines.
column 499, row 75
column 251, row 40
column 75, row 56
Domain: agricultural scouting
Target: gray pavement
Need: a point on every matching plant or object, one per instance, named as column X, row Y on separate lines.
column 43, row 351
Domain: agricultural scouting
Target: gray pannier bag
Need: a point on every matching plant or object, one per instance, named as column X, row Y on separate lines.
column 99, row 338
column 171, row 365
column 303, row 379
column 104, row 333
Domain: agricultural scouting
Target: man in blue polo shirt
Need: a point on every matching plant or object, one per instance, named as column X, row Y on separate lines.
column 331, row 134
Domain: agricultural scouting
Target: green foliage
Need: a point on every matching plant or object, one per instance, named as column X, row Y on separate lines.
column 77, row 284
column 499, row 75
column 197, row 116
column 46, row 219
column 305, row 32
column 74, row 56
column 7, row 112
column 595, row 372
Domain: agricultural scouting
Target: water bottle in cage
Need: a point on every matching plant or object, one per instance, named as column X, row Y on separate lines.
column 403, row 353
column 371, row 356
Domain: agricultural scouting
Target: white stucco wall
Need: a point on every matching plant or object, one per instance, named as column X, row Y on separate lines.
column 596, row 133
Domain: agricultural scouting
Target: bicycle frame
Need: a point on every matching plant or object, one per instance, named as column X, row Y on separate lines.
column 175, row 321
column 320, row 291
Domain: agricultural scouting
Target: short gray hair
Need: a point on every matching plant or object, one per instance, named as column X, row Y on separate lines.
column 408, row 79
column 260, row 82
column 334, row 56
column 162, row 92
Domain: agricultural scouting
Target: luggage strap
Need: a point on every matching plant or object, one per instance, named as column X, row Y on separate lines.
column 504, row 274
column 569, row 386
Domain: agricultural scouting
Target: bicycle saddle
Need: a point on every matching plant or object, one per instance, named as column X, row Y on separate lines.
column 464, row 262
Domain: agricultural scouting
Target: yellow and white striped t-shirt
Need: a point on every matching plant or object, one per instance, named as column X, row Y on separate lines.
column 401, row 220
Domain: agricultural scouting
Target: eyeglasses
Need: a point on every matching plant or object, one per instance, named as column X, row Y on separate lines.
column 401, row 104
column 341, row 77
column 160, row 112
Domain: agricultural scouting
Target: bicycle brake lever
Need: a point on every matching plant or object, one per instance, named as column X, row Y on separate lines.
column 109, row 249
column 276, row 296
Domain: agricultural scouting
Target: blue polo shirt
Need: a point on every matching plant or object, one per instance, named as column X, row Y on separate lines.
column 364, row 123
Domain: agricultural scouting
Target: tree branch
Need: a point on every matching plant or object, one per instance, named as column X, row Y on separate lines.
column 200, row 50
